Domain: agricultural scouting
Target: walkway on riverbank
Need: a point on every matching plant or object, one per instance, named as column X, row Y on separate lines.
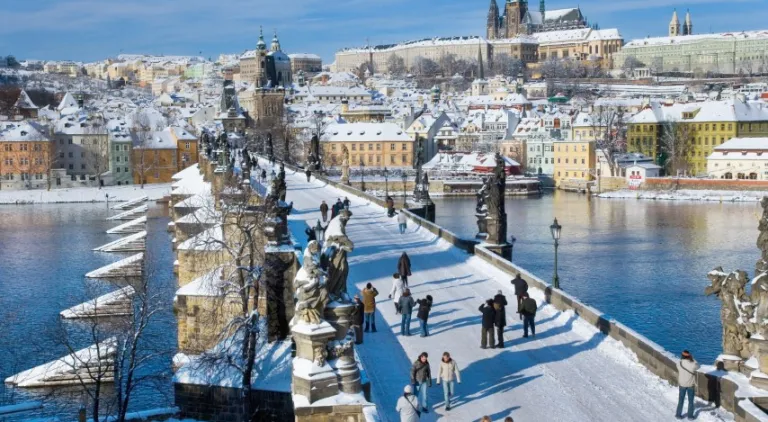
column 85, row 194
column 569, row 372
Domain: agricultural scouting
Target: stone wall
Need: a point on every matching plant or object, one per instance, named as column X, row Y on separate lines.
column 669, row 183
column 193, row 263
column 608, row 183
column 222, row 404
column 201, row 319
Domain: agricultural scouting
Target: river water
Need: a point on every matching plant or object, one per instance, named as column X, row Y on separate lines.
column 642, row 262
column 45, row 251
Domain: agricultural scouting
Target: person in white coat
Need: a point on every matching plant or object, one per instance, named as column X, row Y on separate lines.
column 686, row 380
column 398, row 287
column 402, row 221
column 448, row 375
column 407, row 406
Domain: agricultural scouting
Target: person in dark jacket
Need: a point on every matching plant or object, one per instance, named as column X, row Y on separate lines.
column 324, row 211
column 406, row 308
column 425, row 305
column 263, row 176
column 390, row 207
column 500, row 320
column 421, row 377
column 486, row 331
column 310, row 234
column 308, row 172
column 528, row 311
column 357, row 319
column 404, row 267
column 346, row 203
column 336, row 208
column 521, row 287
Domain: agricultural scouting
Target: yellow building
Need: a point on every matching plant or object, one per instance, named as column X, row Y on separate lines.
column 574, row 161
column 26, row 155
column 159, row 155
column 375, row 144
column 703, row 126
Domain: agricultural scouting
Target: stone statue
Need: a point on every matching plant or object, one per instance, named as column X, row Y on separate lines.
column 481, row 211
column 270, row 149
column 282, row 188
column 336, row 246
column 736, row 306
column 314, row 154
column 497, row 215
column 345, row 165
column 310, row 288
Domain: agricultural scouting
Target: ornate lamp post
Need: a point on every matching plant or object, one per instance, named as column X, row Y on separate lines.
column 512, row 240
column 555, row 230
column 405, row 193
column 319, row 232
column 362, row 175
column 386, row 182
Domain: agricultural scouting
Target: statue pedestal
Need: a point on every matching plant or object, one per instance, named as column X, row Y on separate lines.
column 731, row 362
column 759, row 378
column 504, row 250
column 312, row 376
column 482, row 226
column 339, row 315
column 347, row 374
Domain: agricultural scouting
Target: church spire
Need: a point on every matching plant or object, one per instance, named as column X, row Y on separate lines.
column 688, row 25
column 492, row 27
column 543, row 10
column 275, row 43
column 261, row 45
column 480, row 61
column 674, row 25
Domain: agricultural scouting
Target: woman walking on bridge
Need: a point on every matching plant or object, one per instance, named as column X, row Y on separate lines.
column 404, row 267
column 449, row 371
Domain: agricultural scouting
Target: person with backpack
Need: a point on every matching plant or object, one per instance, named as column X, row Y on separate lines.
column 398, row 287
column 486, row 329
column 423, row 314
column 500, row 319
column 408, row 406
column 421, row 377
column 369, row 307
column 521, row 287
column 449, row 371
column 406, row 308
column 404, row 267
column 528, row 309
column 686, row 380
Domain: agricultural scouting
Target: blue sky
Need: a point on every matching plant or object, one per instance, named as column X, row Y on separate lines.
column 88, row 30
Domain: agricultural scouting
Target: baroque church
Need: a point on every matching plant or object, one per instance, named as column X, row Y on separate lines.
column 519, row 19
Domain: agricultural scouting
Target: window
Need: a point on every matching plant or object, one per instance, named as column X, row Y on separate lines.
column 24, row 161
column 125, row 169
column 582, row 161
column 82, row 166
column 71, row 167
column 354, row 147
column 392, row 147
column 566, row 161
column 405, row 147
column 61, row 155
column 37, row 147
column 405, row 159
column 370, row 147
column 392, row 159
column 23, row 147
column 558, row 161
column 69, row 141
column 118, row 170
column 378, row 147
column 82, row 155
column 38, row 161
column 70, row 155
column 186, row 145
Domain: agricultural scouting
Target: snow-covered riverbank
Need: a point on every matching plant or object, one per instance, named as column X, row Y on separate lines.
column 688, row 195
column 72, row 195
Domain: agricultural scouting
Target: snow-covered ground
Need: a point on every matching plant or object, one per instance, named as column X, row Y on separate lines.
column 569, row 372
column 688, row 195
column 116, row 194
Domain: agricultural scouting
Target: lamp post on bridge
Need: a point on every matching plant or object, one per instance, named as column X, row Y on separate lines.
column 386, row 183
column 555, row 230
column 362, row 175
column 405, row 192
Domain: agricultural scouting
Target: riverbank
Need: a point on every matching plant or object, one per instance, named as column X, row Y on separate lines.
column 84, row 195
column 687, row 195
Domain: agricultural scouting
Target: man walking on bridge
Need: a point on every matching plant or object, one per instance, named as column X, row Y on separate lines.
column 324, row 211
column 528, row 311
column 486, row 331
column 500, row 319
column 521, row 287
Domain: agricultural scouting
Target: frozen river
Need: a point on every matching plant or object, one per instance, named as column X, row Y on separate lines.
column 46, row 250
column 642, row 262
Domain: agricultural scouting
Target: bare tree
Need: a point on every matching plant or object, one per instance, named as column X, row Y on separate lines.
column 505, row 65
column 396, row 65
column 425, row 67
column 630, row 64
column 97, row 147
column 609, row 128
column 674, row 147
column 143, row 157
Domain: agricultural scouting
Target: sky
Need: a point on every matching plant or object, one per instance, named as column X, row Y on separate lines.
column 91, row 30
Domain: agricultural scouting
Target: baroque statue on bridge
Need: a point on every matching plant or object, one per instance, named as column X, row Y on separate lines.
column 311, row 289
column 336, row 246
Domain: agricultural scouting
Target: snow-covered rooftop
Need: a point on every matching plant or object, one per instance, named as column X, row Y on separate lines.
column 25, row 131
column 364, row 132
column 687, row 39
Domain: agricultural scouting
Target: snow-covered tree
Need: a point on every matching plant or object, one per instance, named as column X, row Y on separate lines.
column 396, row 65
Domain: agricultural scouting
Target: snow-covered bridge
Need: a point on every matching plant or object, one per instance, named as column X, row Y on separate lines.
column 569, row 372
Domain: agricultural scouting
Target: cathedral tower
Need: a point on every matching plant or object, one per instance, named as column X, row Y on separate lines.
column 514, row 11
column 688, row 25
column 543, row 10
column 674, row 25
column 492, row 27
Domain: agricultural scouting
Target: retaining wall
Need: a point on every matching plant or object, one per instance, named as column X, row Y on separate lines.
column 669, row 183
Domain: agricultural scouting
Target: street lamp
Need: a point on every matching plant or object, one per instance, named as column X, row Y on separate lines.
column 362, row 175
column 386, row 183
column 405, row 193
column 555, row 230
column 319, row 233
column 512, row 240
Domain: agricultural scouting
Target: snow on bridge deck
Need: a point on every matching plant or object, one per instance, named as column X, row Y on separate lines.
column 569, row 372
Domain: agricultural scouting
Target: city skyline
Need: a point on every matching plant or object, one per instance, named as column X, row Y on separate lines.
column 86, row 30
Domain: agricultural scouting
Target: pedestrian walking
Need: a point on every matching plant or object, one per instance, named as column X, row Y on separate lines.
column 449, row 375
column 324, row 211
column 521, row 287
column 686, row 380
column 308, row 172
column 406, row 308
column 528, row 311
column 264, row 175
column 273, row 174
column 346, row 203
column 425, row 305
column 500, row 320
column 357, row 319
column 390, row 206
column 369, row 307
column 402, row 222
column 404, row 267
column 335, row 209
column 398, row 287
column 421, row 377
column 408, row 406
column 486, row 330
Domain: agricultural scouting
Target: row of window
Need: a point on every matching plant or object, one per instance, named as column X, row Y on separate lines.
column 22, row 147
column 24, row 176
column 23, row 161
column 575, row 149
column 568, row 174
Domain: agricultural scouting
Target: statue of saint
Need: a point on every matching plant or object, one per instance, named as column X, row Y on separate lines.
column 310, row 288
column 336, row 247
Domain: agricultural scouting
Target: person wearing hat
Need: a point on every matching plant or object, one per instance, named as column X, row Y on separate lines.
column 500, row 319
column 686, row 380
column 407, row 406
